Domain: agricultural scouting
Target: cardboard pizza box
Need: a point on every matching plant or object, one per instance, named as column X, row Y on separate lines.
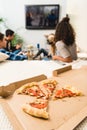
column 65, row 114
column 76, row 78
column 9, row 119
column 61, row 70
column 9, row 89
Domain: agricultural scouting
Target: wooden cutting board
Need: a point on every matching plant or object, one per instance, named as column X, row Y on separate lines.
column 65, row 113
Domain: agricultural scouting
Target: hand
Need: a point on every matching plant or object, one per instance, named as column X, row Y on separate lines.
column 54, row 57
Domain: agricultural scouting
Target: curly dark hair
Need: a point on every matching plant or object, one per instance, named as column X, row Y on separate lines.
column 65, row 32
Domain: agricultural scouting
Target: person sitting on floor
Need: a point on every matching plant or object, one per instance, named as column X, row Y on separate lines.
column 50, row 41
column 12, row 55
column 66, row 49
column 9, row 36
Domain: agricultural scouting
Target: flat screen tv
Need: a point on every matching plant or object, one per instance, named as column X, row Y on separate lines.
column 41, row 16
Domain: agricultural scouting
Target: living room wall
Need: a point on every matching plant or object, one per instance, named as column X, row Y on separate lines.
column 14, row 13
column 77, row 11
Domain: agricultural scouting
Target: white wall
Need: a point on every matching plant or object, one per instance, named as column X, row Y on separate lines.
column 77, row 9
column 13, row 11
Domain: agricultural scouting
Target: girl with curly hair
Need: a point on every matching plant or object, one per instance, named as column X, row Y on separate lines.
column 65, row 41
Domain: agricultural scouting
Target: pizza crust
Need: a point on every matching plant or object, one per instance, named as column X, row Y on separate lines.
column 52, row 81
column 42, row 113
column 74, row 90
column 28, row 85
column 67, row 91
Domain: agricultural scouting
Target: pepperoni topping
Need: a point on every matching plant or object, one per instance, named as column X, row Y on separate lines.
column 39, row 105
column 49, row 87
column 68, row 93
column 64, row 93
column 34, row 91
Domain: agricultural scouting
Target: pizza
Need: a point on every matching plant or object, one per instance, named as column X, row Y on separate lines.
column 43, row 92
column 48, row 86
column 37, row 108
column 31, row 89
column 66, row 92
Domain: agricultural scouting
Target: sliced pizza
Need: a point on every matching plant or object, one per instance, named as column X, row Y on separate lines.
column 66, row 92
column 31, row 89
column 48, row 86
column 37, row 108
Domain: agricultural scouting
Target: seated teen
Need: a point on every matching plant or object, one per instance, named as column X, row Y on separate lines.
column 50, row 41
column 65, row 42
column 2, row 41
column 12, row 56
column 9, row 36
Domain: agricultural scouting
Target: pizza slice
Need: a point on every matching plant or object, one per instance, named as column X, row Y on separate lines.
column 31, row 89
column 66, row 92
column 48, row 86
column 37, row 108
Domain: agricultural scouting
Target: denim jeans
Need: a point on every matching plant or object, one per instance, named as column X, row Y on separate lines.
column 42, row 51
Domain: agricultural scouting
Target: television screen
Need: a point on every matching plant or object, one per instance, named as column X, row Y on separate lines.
column 41, row 16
